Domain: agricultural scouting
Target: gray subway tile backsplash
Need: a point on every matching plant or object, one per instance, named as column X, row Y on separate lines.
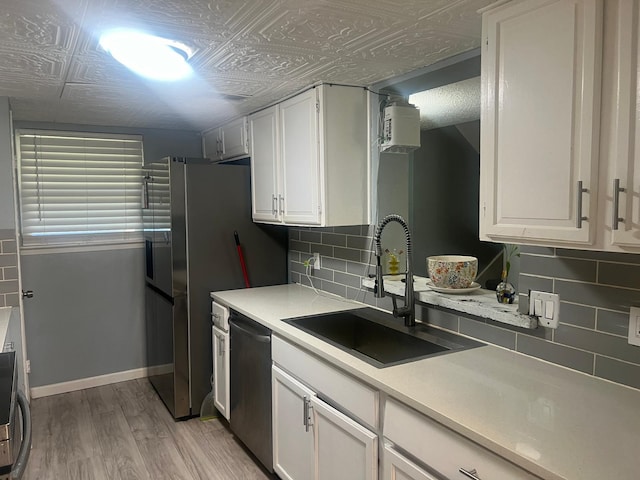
column 569, row 268
column 488, row 333
column 8, row 286
column 613, row 322
column 334, row 264
column 619, row 275
column 596, row 290
column 334, row 288
column 8, row 269
column 9, row 246
column 12, row 300
column 347, row 279
column 598, row 342
column 299, row 246
column 323, row 273
column 602, row 256
column 602, row 296
column 323, row 250
column 362, row 243
column 616, row 371
column 347, row 253
column 530, row 282
column 335, row 239
column 310, row 236
column 8, row 259
column 579, row 315
column 555, row 353
column 439, row 318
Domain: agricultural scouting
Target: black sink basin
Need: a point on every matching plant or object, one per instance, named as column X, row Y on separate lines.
column 378, row 338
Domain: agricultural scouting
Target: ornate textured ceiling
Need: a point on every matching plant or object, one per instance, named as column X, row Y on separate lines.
column 248, row 53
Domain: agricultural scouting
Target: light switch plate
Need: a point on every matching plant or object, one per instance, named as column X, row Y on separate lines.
column 634, row 326
column 545, row 306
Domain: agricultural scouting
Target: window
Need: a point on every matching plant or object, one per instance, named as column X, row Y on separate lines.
column 79, row 188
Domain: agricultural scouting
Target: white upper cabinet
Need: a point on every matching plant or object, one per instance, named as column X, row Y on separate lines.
column 541, row 84
column 263, row 133
column 621, row 127
column 228, row 142
column 309, row 159
column 300, row 160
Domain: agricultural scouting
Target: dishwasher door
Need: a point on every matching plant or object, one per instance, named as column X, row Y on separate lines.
column 250, row 396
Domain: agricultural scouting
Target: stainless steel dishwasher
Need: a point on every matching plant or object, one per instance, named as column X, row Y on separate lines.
column 250, row 396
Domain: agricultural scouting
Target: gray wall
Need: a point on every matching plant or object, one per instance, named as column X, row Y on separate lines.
column 444, row 178
column 596, row 290
column 87, row 316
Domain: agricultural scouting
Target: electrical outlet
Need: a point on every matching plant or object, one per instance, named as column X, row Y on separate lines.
column 545, row 306
column 316, row 261
column 634, row 326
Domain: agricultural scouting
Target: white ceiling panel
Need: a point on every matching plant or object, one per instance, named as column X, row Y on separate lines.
column 258, row 51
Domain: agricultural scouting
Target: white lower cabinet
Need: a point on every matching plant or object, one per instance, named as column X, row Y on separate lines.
column 450, row 455
column 292, row 440
column 313, row 440
column 221, row 371
column 397, row 467
column 344, row 449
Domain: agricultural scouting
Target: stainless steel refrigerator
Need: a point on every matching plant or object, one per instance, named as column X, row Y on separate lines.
column 191, row 209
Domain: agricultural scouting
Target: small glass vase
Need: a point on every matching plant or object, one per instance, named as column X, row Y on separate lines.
column 505, row 293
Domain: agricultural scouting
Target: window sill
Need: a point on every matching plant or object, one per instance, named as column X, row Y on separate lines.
column 48, row 249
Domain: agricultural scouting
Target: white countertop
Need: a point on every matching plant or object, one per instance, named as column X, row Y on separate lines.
column 555, row 422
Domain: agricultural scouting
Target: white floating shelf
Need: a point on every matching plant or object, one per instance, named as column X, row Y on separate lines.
column 480, row 303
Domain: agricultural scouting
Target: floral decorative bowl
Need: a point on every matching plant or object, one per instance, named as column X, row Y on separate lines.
column 452, row 271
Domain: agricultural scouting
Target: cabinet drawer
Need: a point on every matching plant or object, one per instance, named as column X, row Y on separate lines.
column 358, row 399
column 442, row 450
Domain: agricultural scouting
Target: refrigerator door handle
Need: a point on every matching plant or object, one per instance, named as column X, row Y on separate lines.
column 145, row 191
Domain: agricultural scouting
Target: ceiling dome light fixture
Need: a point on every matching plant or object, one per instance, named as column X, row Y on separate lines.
column 149, row 56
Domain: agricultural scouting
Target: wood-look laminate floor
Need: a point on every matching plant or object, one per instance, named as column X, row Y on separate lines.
column 124, row 432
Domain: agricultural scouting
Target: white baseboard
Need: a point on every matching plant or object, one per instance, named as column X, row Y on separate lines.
column 81, row 384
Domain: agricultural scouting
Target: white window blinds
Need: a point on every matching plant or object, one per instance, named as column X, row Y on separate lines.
column 79, row 188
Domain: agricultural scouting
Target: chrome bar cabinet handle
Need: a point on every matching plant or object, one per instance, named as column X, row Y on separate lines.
column 274, row 204
column 616, row 204
column 469, row 473
column 281, row 203
column 305, row 413
column 579, row 217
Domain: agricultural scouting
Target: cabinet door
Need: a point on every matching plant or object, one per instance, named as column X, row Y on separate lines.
column 541, row 70
column 211, row 144
column 441, row 449
column 623, row 190
column 397, row 467
column 221, row 371
column 344, row 449
column 300, row 159
column 263, row 132
column 292, row 440
column 233, row 138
